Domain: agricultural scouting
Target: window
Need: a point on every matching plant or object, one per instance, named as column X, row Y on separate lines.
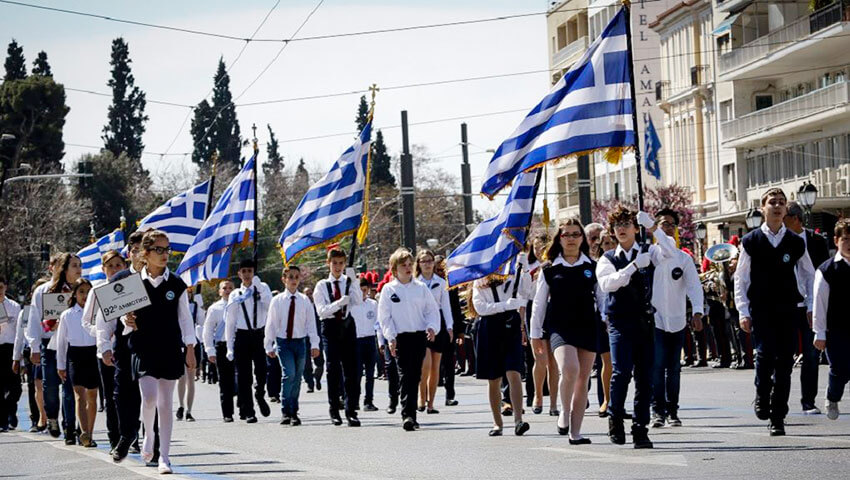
column 800, row 160
column 761, row 169
column 846, row 157
column 751, row 172
column 572, row 186
column 562, row 192
column 764, row 101
column 775, row 167
column 729, row 177
column 726, row 111
column 788, row 170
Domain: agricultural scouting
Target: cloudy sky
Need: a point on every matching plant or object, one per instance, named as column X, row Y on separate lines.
column 178, row 68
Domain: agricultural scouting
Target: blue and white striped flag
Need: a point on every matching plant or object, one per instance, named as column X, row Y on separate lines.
column 494, row 242
column 333, row 206
column 90, row 255
column 181, row 217
column 208, row 257
column 590, row 108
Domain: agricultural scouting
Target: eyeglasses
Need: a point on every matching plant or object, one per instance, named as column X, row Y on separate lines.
column 160, row 250
column 623, row 224
column 667, row 224
column 571, row 235
column 425, row 262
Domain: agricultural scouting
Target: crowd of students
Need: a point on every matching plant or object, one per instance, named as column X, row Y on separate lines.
column 590, row 299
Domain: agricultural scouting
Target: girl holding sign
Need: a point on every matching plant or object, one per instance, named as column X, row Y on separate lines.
column 77, row 349
column 159, row 332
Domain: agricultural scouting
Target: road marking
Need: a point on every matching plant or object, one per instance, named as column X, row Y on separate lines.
column 666, row 460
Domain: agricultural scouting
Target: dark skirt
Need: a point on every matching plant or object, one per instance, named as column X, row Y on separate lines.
column 498, row 346
column 167, row 363
column 577, row 332
column 602, row 343
column 442, row 343
column 82, row 367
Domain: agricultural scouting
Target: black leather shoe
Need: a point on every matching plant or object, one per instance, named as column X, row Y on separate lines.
column 563, row 430
column 521, row 428
column 761, row 408
column 495, row 432
column 335, row 418
column 391, row 409
column 407, row 425
column 179, row 413
column 353, row 421
column 251, row 419
column 580, row 441
column 432, row 411
column 640, row 438
column 420, row 409
column 228, row 419
column 451, row 403
column 53, row 428
column 537, row 409
column 616, row 431
column 370, row 408
column 120, row 451
column 286, row 420
column 296, row 421
column 264, row 407
column 776, row 428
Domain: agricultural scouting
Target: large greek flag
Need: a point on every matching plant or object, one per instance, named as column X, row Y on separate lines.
column 181, row 217
column 208, row 257
column 589, row 108
column 333, row 207
column 494, row 242
column 90, row 256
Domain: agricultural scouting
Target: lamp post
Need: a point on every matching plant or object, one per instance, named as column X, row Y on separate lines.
column 807, row 195
column 754, row 219
column 700, row 231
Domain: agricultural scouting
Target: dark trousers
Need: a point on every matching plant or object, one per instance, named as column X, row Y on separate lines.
column 667, row 371
column 529, row 374
column 410, row 353
column 128, row 398
column 340, row 340
column 107, row 386
column 31, row 374
column 274, row 376
column 719, row 327
column 226, row 379
column 367, row 353
column 838, row 354
column 775, row 341
column 391, row 367
column 313, row 369
column 699, row 346
column 447, row 365
column 10, row 385
column 632, row 349
column 51, row 390
column 811, row 357
column 249, row 358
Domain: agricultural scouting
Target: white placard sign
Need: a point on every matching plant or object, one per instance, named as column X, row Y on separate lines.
column 53, row 304
column 122, row 296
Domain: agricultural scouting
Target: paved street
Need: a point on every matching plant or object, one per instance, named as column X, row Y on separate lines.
column 721, row 438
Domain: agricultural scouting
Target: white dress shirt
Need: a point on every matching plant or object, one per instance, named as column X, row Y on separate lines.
column 71, row 333
column 405, row 308
column 610, row 279
column 21, row 339
column 673, row 280
column 804, row 270
column 303, row 321
column 485, row 304
column 821, row 301
column 214, row 326
column 9, row 330
column 326, row 306
column 35, row 332
column 234, row 315
column 439, row 288
column 198, row 318
column 805, row 285
column 541, row 295
column 366, row 318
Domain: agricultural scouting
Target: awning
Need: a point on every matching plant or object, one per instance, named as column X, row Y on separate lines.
column 725, row 25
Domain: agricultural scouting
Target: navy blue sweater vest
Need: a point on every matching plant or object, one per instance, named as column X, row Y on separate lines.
column 773, row 281
column 572, row 295
column 837, row 275
column 631, row 301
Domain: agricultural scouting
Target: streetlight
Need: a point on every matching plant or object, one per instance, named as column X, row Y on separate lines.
column 754, row 219
column 700, row 231
column 807, row 195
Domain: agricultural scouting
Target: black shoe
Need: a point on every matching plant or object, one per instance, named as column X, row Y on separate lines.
column 563, row 430
column 554, row 412
column 616, row 431
column 603, row 413
column 420, row 409
column 70, row 437
column 627, row 416
column 658, row 420
column 762, row 408
column 228, row 419
column 451, row 403
column 640, row 437
column 507, row 411
column 432, row 411
column 537, row 409
column 189, row 417
column 318, row 385
column 286, row 420
column 495, row 432
column 370, row 408
column 353, row 421
column 13, row 422
column 121, row 450
column 776, row 428
column 391, row 409
column 34, row 429
column 274, row 399
column 673, row 420
column 242, row 417
column 416, row 425
column 180, row 413
column 335, row 418
column 580, row 441
column 407, row 425
column 309, row 389
column 251, row 419
column 296, row 421
column 521, row 428
column 53, row 427
column 264, row 407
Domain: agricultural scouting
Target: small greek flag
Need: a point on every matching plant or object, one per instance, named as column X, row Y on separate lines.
column 181, row 217
column 590, row 108
column 653, row 145
column 333, row 207
column 490, row 248
column 90, row 256
column 208, row 256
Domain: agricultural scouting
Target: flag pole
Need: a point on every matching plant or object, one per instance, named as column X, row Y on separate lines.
column 211, row 187
column 256, row 187
column 628, row 13
column 364, row 221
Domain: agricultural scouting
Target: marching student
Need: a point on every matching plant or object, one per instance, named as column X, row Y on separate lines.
column 499, row 343
column 216, row 347
column 314, row 368
column 366, row 321
column 607, row 241
column 245, row 319
column 674, row 280
column 409, row 317
column 334, row 296
column 544, row 366
column 10, row 381
column 186, row 384
column 772, row 278
column 424, row 272
column 291, row 322
column 21, row 358
column 625, row 274
column 158, row 334
column 76, row 358
column 832, row 330
column 448, row 362
column 565, row 302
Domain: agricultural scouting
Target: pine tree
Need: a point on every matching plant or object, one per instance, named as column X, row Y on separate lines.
column 126, row 117
column 16, row 65
column 274, row 164
column 215, row 126
column 202, row 136
column 362, row 114
column 40, row 65
column 381, row 174
column 33, row 109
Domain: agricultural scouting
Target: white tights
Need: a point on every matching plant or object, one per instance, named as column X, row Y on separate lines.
column 157, row 394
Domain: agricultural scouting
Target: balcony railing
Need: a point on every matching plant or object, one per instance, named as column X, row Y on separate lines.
column 785, row 36
column 798, row 108
column 577, row 45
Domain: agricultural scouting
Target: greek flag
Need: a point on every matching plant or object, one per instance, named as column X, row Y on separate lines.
column 590, row 108
column 333, row 207
column 490, row 248
column 653, row 145
column 90, row 256
column 181, row 217
column 208, row 257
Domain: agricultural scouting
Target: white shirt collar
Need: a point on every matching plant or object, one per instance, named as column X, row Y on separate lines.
column 341, row 278
column 620, row 250
column 766, row 230
column 839, row 257
column 146, row 276
column 562, row 261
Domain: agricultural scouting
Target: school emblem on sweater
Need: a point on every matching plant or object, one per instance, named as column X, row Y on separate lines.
column 370, row 315
column 786, row 258
column 169, row 295
column 677, row 273
column 588, row 273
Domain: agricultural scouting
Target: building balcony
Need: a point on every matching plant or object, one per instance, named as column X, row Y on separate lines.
column 807, row 40
column 731, row 5
column 814, row 109
column 569, row 54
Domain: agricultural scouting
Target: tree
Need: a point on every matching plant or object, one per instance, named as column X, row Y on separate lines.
column 126, row 117
column 381, row 161
column 362, row 114
column 16, row 65
column 201, row 136
column 215, row 126
column 40, row 65
column 275, row 161
column 115, row 186
column 276, row 207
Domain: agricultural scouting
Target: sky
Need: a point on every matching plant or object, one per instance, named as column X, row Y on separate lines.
column 178, row 67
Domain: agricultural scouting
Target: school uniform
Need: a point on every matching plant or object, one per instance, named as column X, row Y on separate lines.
column 245, row 320
column 391, row 369
column 315, row 367
column 365, row 322
column 831, row 323
column 21, row 353
column 448, row 360
column 405, row 313
column 216, row 346
column 291, row 322
column 10, row 384
column 675, row 280
column 498, row 340
column 770, row 282
column 197, row 313
column 76, row 349
column 339, row 337
column 439, row 288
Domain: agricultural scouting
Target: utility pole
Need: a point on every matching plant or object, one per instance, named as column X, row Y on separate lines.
column 584, row 189
column 407, row 192
column 466, row 180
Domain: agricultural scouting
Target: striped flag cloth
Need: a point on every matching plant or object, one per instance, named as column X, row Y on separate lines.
column 208, row 256
column 90, row 255
column 590, row 108
column 181, row 217
column 491, row 246
column 333, row 207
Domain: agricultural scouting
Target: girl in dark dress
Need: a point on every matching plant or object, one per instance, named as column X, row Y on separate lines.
column 424, row 272
column 566, row 301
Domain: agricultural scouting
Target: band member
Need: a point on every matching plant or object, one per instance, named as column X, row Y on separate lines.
column 424, row 271
column 216, row 347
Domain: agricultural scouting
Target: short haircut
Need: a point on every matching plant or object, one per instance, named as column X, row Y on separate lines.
column 593, row 226
column 794, row 210
column 772, row 192
column 223, row 282
column 670, row 213
column 621, row 214
column 842, row 227
column 291, row 268
column 401, row 255
column 247, row 263
column 3, row 280
column 336, row 252
column 109, row 256
column 365, row 282
column 136, row 238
